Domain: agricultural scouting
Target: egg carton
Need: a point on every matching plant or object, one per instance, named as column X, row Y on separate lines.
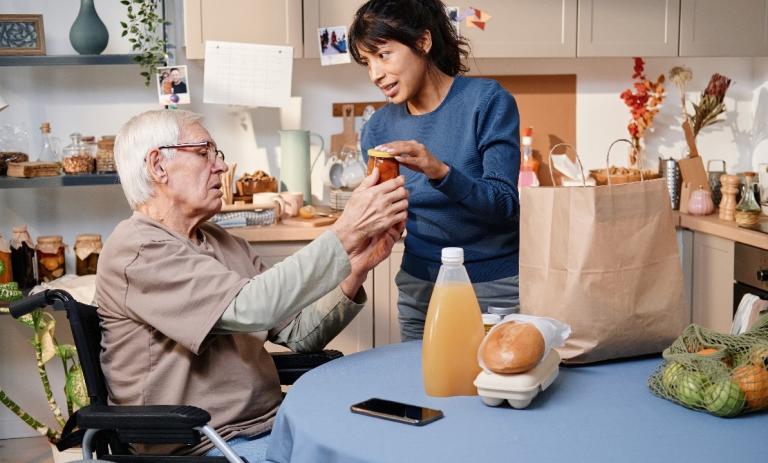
column 518, row 389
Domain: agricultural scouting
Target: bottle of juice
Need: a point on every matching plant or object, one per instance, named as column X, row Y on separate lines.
column 453, row 331
column 529, row 166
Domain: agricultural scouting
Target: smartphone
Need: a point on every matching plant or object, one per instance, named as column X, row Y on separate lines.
column 397, row 411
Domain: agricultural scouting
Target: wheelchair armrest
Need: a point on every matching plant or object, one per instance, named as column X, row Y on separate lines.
column 156, row 424
column 291, row 365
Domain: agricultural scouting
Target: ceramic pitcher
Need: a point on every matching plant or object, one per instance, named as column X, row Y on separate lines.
column 295, row 166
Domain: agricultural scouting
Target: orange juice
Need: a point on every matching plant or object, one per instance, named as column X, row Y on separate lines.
column 452, row 334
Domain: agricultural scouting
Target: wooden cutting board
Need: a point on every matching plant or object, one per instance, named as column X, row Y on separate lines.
column 32, row 169
column 314, row 222
column 348, row 136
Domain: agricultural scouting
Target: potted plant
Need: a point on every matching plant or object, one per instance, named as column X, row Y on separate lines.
column 46, row 348
column 145, row 25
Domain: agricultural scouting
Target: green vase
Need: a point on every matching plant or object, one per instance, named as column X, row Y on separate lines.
column 88, row 34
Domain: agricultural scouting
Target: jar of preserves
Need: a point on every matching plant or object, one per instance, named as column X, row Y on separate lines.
column 78, row 157
column 6, row 271
column 23, row 258
column 105, row 156
column 87, row 250
column 50, row 258
column 388, row 166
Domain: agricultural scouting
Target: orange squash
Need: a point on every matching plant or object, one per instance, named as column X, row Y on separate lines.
column 753, row 381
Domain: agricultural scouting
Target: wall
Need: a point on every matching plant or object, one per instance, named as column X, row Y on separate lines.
column 97, row 99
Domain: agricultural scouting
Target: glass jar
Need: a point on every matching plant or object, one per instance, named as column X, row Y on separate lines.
column 23, row 258
column 388, row 166
column 77, row 157
column 87, row 250
column 105, row 156
column 748, row 209
column 50, row 258
column 6, row 265
column 50, row 147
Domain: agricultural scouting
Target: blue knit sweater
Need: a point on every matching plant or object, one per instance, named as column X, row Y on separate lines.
column 475, row 131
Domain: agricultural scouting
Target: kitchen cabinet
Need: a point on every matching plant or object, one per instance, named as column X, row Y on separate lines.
column 712, row 282
column 628, row 28
column 517, row 29
column 271, row 22
column 524, row 29
column 358, row 335
column 387, row 326
column 718, row 28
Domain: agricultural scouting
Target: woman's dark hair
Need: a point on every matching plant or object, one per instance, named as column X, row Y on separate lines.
column 405, row 21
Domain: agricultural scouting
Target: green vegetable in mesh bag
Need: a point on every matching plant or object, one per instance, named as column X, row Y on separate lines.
column 722, row 374
column 724, row 398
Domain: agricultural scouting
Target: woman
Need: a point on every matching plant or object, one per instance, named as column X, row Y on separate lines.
column 457, row 140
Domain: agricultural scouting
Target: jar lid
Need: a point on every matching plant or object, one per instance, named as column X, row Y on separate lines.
column 45, row 127
column 50, row 239
column 88, row 138
column 20, row 229
column 88, row 237
column 107, row 138
column 379, row 154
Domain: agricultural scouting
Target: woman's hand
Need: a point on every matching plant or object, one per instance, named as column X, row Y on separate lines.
column 371, row 210
column 416, row 156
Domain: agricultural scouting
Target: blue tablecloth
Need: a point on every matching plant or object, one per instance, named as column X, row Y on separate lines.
column 600, row 413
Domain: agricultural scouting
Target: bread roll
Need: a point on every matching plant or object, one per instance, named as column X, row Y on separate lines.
column 513, row 348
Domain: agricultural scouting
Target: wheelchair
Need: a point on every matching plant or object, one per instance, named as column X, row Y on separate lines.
column 107, row 430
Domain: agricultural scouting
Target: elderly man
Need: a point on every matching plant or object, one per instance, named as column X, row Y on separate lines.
column 186, row 307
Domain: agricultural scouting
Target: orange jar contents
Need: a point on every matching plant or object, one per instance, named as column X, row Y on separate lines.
column 388, row 166
column 6, row 272
column 87, row 250
column 50, row 258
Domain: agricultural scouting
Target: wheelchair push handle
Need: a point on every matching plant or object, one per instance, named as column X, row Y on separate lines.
column 38, row 300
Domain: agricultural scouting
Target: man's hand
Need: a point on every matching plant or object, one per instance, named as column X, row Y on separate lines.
column 416, row 156
column 371, row 210
column 368, row 256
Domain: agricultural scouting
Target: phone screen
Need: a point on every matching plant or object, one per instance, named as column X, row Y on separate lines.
column 397, row 411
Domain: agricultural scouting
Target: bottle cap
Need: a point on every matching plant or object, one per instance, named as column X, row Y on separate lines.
column 452, row 256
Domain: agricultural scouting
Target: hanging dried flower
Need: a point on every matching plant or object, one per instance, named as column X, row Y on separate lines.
column 643, row 105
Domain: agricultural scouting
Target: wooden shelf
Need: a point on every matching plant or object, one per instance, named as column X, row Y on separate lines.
column 66, row 60
column 59, row 181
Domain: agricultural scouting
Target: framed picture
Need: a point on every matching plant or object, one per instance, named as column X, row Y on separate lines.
column 21, row 34
column 173, row 85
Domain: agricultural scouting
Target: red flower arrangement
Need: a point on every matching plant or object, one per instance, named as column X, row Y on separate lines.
column 643, row 105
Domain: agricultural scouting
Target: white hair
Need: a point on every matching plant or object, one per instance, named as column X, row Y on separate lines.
column 137, row 138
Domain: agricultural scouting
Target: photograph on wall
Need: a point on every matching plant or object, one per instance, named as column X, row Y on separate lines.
column 21, row 34
column 173, row 85
column 333, row 45
column 454, row 15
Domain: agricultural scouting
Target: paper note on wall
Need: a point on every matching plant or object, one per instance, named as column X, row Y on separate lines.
column 247, row 74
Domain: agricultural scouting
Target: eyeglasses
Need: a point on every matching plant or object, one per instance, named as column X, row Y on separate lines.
column 212, row 152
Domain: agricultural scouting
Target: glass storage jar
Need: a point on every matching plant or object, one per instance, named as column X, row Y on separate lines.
column 50, row 258
column 23, row 257
column 105, row 156
column 6, row 272
column 87, row 250
column 748, row 209
column 77, row 157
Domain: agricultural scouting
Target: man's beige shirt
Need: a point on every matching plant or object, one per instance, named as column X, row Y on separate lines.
column 161, row 298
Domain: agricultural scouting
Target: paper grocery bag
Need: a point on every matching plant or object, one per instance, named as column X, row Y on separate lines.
column 604, row 260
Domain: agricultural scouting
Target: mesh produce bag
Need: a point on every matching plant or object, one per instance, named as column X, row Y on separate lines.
column 722, row 374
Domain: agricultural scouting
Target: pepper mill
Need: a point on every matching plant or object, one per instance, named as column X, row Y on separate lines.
column 729, row 187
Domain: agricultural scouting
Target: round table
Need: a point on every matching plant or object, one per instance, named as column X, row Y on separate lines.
column 597, row 413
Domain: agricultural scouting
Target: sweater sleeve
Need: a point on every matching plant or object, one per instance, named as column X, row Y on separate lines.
column 494, row 196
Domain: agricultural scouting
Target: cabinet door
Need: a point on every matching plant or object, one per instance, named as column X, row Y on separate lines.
column 325, row 13
column 387, row 326
column 628, row 27
column 720, row 28
column 270, row 22
column 712, row 282
column 358, row 335
column 523, row 28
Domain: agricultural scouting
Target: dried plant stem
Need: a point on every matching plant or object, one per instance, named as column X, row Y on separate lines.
column 38, row 426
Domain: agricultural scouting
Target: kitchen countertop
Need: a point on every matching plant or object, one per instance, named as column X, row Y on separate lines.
column 710, row 224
